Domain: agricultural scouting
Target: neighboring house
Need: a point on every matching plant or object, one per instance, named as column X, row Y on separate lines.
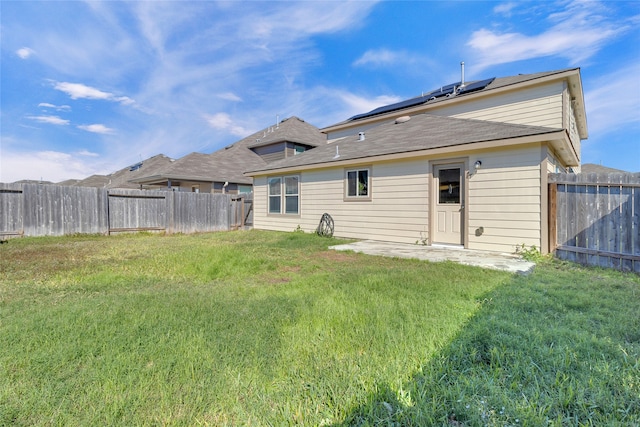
column 465, row 167
column 222, row 171
column 120, row 179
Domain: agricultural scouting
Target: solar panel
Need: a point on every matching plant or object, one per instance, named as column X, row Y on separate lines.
column 434, row 94
column 443, row 91
column 479, row 85
column 392, row 107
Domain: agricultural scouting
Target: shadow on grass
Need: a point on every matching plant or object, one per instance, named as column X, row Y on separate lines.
column 558, row 347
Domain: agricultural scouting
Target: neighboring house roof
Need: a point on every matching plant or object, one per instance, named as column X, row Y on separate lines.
column 421, row 132
column 32, row 181
column 594, row 168
column 121, row 178
column 292, row 129
column 93, row 181
column 478, row 88
column 228, row 164
column 68, row 182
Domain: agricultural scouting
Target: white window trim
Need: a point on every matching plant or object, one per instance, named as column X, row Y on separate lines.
column 357, row 198
column 283, row 196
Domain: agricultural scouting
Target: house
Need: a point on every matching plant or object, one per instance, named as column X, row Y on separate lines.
column 222, row 170
column 120, row 178
column 464, row 165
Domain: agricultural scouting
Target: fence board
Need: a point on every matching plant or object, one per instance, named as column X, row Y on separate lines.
column 137, row 210
column 42, row 210
column 11, row 209
column 597, row 219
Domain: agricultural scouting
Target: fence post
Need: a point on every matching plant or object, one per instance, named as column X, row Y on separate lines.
column 553, row 214
column 170, row 203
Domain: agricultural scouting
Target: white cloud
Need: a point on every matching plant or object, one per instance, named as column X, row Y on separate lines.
column 614, row 100
column 51, row 166
column 576, row 33
column 358, row 104
column 87, row 153
column 504, row 8
column 378, row 57
column 222, row 121
column 55, row 107
column 52, row 120
column 300, row 19
column 25, row 52
column 79, row 90
column 229, row 96
column 96, row 128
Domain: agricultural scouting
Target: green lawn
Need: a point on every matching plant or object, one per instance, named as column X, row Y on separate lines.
column 260, row 328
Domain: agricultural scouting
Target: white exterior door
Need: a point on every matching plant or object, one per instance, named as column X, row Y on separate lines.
column 449, row 204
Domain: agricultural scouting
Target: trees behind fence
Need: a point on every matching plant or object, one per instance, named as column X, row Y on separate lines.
column 51, row 210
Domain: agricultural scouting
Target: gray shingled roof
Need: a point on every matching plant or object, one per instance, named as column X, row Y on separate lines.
column 99, row 181
column 229, row 163
column 121, row 178
column 292, row 129
column 421, row 132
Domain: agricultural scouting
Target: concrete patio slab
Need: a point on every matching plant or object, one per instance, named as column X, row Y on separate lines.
column 493, row 260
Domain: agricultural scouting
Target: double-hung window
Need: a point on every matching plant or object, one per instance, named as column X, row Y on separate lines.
column 284, row 195
column 358, row 184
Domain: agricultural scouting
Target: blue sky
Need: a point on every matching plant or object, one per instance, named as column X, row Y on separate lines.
column 92, row 87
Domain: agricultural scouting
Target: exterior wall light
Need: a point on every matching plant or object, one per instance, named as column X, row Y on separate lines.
column 477, row 164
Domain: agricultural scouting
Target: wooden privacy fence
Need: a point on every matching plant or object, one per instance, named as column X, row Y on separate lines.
column 50, row 210
column 594, row 219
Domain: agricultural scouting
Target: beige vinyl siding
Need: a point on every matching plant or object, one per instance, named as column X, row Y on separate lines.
column 398, row 210
column 505, row 200
column 536, row 106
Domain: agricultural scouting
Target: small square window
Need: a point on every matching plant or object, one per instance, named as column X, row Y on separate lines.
column 357, row 185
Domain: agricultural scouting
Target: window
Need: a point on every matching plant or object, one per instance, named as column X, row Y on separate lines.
column 358, row 184
column 244, row 188
column 291, row 195
column 290, row 187
column 449, row 186
column 275, row 192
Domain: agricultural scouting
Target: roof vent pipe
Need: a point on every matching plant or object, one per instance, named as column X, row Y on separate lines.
column 462, row 71
column 361, row 136
column 277, row 121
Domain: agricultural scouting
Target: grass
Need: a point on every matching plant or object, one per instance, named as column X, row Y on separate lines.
column 259, row 328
